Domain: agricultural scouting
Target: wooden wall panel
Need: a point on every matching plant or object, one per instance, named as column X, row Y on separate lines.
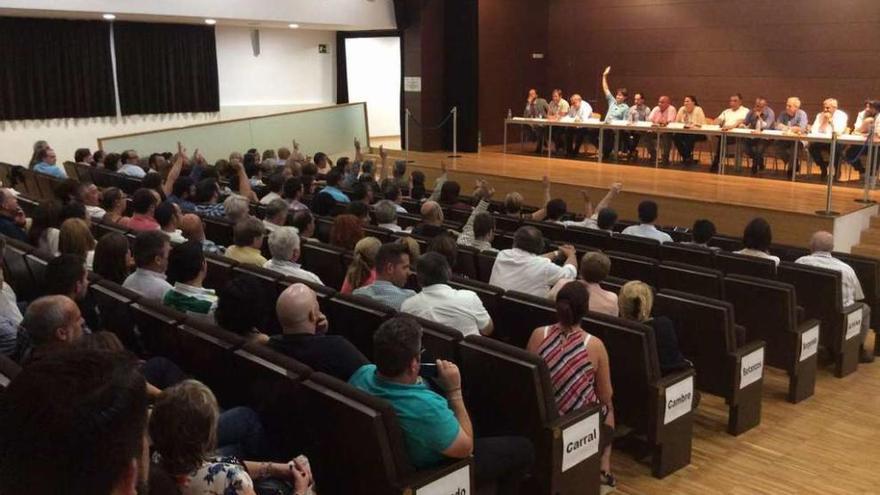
column 809, row 48
column 710, row 48
column 509, row 32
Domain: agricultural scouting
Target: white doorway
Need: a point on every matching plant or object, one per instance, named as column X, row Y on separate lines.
column 373, row 69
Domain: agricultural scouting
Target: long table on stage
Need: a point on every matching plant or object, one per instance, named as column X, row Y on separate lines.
column 708, row 131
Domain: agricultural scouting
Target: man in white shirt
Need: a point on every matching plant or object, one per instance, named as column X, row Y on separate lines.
column 440, row 303
column 150, row 250
column 91, row 198
column 284, row 245
column 276, row 215
column 828, row 122
column 524, row 269
column 130, row 165
column 580, row 111
column 647, row 217
column 386, row 216
column 821, row 245
column 274, row 183
column 729, row 119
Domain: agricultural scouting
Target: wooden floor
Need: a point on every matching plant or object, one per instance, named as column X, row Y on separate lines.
column 828, row 444
column 772, row 194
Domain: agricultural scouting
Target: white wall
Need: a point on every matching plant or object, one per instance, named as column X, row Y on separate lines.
column 288, row 75
column 373, row 68
column 327, row 14
column 289, row 69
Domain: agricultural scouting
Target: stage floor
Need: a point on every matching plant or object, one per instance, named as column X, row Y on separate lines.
column 684, row 196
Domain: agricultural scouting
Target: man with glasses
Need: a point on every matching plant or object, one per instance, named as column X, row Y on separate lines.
column 130, row 165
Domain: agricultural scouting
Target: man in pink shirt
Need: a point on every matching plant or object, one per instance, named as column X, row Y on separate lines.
column 143, row 205
column 595, row 267
column 661, row 115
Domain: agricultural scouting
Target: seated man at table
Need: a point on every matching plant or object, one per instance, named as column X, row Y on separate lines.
column 761, row 117
column 638, row 112
column 866, row 121
column 580, row 111
column 558, row 108
column 536, row 108
column 617, row 110
column 792, row 121
column 829, row 121
column 729, row 119
column 661, row 115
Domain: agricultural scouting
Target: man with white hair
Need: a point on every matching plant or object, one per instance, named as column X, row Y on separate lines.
column 276, row 214
column 821, row 245
column 386, row 216
column 829, row 121
column 284, row 246
column 792, row 121
column 580, row 111
column 236, row 208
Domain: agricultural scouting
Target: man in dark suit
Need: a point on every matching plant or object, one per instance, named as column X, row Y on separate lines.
column 536, row 108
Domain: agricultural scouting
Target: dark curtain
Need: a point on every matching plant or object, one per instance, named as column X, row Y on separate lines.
column 461, row 77
column 341, row 68
column 55, row 68
column 166, row 68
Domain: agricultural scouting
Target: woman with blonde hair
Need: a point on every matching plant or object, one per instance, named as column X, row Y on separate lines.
column 362, row 270
column 76, row 238
column 636, row 300
column 183, row 429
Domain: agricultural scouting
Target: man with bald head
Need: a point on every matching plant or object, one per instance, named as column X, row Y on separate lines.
column 661, row 115
column 304, row 335
column 432, row 220
column 194, row 230
column 821, row 245
column 580, row 111
column 50, row 323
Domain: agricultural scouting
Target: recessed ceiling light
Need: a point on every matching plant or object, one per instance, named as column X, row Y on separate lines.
column 210, row 22
column 109, row 17
column 293, row 26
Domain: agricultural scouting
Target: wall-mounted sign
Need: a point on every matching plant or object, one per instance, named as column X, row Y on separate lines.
column 412, row 84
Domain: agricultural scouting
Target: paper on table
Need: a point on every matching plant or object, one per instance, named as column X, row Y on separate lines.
column 740, row 130
column 675, row 125
column 772, row 132
column 566, row 119
column 711, row 127
column 619, row 122
column 643, row 124
column 593, row 121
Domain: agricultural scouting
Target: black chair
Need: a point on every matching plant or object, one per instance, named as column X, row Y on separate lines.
column 633, row 267
column 356, row 318
column 683, row 253
column 631, row 244
column 740, row 264
column 325, row 261
column 689, row 278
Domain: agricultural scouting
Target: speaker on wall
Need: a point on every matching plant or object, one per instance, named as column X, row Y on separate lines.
column 255, row 42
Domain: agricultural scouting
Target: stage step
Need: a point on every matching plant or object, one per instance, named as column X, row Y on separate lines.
column 869, row 242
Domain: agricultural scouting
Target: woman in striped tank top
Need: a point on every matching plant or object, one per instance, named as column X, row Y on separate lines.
column 578, row 363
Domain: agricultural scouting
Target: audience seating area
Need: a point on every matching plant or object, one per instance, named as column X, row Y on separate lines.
column 730, row 312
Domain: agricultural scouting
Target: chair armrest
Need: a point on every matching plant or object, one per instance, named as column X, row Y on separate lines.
column 674, row 394
column 573, row 444
column 749, row 360
column 451, row 477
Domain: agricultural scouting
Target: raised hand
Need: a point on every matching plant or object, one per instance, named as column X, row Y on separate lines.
column 443, row 167
column 295, row 145
column 545, row 181
column 607, row 71
column 616, row 188
column 382, row 153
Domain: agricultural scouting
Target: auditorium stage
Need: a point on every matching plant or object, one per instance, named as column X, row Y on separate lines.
column 684, row 196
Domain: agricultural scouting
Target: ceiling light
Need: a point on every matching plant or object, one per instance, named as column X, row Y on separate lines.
column 293, row 26
column 210, row 22
column 109, row 17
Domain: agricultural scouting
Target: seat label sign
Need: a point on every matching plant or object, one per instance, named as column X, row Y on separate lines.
column 853, row 324
column 580, row 441
column 751, row 368
column 457, row 482
column 809, row 343
column 679, row 398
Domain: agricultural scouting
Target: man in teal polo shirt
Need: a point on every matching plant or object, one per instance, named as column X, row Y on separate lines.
column 436, row 428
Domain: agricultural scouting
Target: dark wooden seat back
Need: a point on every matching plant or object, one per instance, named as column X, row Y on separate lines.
column 519, row 315
column 356, row 318
column 767, row 309
column 633, row 267
column 689, row 278
column 740, row 264
column 689, row 254
column 325, row 261
column 631, row 244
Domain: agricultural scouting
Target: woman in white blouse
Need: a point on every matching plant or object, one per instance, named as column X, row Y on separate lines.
column 691, row 115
